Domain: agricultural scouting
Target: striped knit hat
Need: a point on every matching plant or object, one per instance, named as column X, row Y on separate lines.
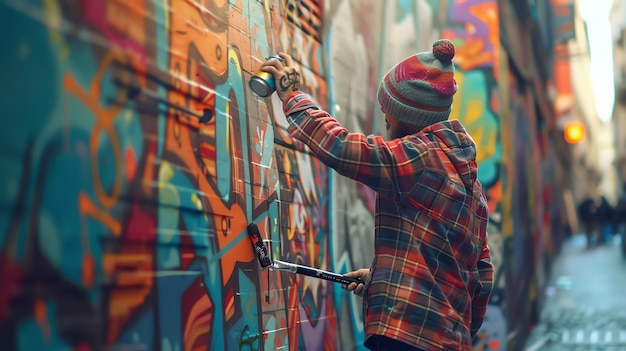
column 419, row 89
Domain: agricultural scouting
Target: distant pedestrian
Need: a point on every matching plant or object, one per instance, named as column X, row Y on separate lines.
column 619, row 217
column 587, row 211
column 604, row 219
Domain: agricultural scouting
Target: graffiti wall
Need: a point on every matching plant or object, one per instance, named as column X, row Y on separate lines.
column 139, row 158
column 138, row 155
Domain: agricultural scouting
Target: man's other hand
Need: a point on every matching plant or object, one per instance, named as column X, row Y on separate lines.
column 363, row 274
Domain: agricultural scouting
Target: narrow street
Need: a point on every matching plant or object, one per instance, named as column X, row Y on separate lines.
column 585, row 307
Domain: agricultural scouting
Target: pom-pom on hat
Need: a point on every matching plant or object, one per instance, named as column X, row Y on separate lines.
column 419, row 89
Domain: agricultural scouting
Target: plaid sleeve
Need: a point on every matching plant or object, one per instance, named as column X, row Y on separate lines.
column 383, row 166
column 481, row 297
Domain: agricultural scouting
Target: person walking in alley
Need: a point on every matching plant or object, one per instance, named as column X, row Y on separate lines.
column 431, row 277
column 620, row 218
column 587, row 211
column 604, row 221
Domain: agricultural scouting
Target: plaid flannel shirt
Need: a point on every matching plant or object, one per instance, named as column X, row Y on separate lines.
column 431, row 276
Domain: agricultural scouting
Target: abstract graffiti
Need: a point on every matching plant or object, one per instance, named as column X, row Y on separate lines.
column 139, row 156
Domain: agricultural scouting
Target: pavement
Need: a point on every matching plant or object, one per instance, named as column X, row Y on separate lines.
column 585, row 302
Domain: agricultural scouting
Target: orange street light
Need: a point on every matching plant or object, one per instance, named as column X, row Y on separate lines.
column 574, row 132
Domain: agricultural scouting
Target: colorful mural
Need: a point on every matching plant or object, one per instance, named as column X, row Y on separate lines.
column 139, row 156
column 474, row 27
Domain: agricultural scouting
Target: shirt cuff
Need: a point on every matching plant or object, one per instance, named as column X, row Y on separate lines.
column 290, row 103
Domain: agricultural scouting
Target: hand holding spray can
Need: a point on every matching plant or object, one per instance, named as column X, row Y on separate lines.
column 263, row 83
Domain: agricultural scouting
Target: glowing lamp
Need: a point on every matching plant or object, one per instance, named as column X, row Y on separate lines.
column 574, row 132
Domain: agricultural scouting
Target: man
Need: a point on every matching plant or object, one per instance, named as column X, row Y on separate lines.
column 587, row 214
column 431, row 277
column 620, row 218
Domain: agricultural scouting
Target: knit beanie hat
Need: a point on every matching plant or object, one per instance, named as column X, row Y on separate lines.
column 419, row 89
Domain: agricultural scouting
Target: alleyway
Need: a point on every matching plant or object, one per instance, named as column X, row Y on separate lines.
column 585, row 305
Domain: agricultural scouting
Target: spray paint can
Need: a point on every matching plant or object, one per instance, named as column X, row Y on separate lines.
column 262, row 83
